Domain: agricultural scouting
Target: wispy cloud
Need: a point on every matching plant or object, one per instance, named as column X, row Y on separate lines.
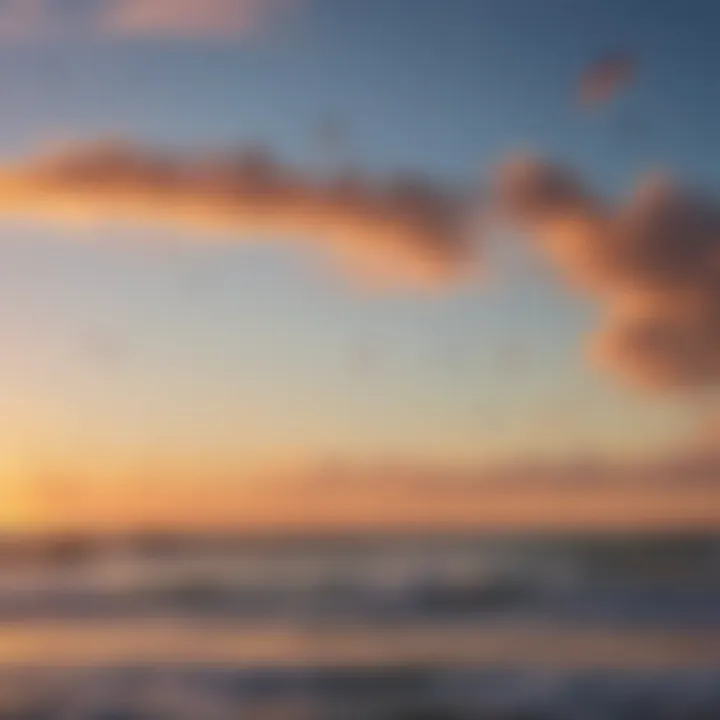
column 651, row 261
column 187, row 19
column 672, row 491
column 399, row 230
column 128, row 19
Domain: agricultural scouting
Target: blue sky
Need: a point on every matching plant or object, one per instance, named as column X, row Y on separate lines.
column 119, row 347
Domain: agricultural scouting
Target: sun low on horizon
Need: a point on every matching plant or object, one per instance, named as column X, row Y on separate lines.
column 280, row 264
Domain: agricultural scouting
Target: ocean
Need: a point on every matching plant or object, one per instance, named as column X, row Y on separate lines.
column 360, row 626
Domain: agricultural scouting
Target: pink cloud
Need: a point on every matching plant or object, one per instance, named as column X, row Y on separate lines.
column 129, row 19
column 188, row 19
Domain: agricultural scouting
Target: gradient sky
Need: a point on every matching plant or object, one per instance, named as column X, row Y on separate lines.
column 125, row 353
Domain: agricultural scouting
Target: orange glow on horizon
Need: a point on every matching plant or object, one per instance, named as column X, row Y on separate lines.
column 298, row 503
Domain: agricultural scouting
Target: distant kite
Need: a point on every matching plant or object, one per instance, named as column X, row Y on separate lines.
column 603, row 79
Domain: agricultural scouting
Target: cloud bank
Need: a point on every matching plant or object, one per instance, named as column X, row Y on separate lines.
column 678, row 491
column 653, row 262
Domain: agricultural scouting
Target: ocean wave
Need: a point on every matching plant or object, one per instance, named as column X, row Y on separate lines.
column 347, row 693
column 637, row 581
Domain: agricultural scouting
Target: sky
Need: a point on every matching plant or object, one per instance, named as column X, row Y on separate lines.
column 157, row 353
